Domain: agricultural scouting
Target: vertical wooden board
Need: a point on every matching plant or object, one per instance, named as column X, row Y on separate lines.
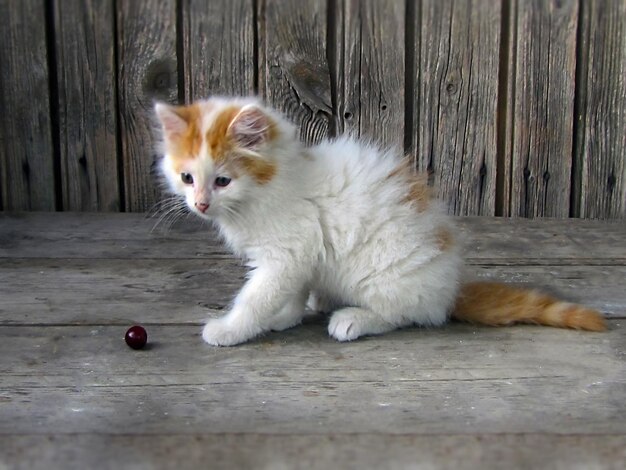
column 147, row 71
column 85, row 53
column 294, row 73
column 219, row 49
column 506, row 101
column 26, row 148
column 542, row 69
column 600, row 176
column 372, row 66
column 455, row 101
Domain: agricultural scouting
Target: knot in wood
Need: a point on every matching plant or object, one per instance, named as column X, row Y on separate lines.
column 161, row 81
column 160, row 78
column 528, row 176
column 611, row 180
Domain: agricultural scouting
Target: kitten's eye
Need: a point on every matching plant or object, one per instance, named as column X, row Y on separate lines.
column 222, row 181
column 187, row 178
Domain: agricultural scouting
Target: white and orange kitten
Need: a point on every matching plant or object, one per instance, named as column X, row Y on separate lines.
column 345, row 226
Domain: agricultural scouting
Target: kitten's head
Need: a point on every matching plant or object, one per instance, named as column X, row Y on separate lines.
column 218, row 152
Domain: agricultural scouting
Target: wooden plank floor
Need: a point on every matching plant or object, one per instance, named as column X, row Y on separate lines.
column 72, row 395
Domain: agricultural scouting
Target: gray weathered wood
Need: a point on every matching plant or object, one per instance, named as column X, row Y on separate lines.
column 116, row 291
column 541, row 67
column 457, row 380
column 218, row 48
column 148, row 67
column 497, row 241
column 27, row 179
column 371, row 66
column 186, row 274
column 314, row 452
column 294, row 73
column 85, row 53
column 491, row 91
column 529, row 242
column 600, row 173
column 171, row 291
column 72, row 392
column 455, row 72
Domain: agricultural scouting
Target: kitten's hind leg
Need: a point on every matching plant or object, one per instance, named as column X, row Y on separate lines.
column 349, row 323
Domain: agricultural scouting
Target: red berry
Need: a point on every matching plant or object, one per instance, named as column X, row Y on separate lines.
column 136, row 337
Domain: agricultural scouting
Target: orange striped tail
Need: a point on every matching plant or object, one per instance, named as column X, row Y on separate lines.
column 497, row 304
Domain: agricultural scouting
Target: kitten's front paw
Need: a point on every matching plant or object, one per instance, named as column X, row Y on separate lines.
column 350, row 323
column 218, row 332
column 344, row 326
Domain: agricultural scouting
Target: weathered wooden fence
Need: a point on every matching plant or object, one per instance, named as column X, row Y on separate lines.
column 514, row 107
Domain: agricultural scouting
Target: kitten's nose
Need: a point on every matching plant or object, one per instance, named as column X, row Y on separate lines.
column 202, row 206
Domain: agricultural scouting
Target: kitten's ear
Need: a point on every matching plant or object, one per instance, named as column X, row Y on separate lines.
column 252, row 127
column 174, row 125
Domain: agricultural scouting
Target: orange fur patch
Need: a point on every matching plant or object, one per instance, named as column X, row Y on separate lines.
column 223, row 150
column 403, row 169
column 497, row 304
column 188, row 144
column 220, row 144
column 218, row 140
column 418, row 190
column 261, row 170
column 445, row 240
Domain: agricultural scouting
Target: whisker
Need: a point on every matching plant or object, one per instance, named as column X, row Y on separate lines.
column 163, row 204
column 169, row 212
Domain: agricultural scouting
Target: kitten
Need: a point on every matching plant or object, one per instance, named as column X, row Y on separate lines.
column 343, row 225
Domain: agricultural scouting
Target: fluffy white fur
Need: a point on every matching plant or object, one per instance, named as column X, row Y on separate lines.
column 331, row 228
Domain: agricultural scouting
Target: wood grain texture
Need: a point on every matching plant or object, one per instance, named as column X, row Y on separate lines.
column 495, row 241
column 515, row 108
column 600, row 174
column 455, row 67
column 314, row 452
column 86, row 77
column 294, row 73
column 456, row 380
column 27, row 180
column 371, row 67
column 218, row 47
column 122, row 273
column 112, row 291
column 72, row 393
column 542, row 62
column 147, row 63
column 172, row 291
